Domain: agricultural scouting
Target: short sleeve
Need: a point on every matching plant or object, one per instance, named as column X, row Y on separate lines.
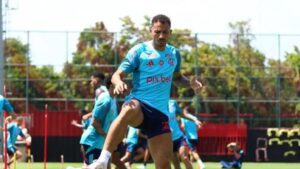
column 100, row 109
column 178, row 109
column 131, row 61
column 178, row 57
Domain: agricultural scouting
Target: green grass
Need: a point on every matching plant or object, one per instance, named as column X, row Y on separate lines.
column 209, row 165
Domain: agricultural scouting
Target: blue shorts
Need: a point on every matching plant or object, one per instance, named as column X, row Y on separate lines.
column 90, row 154
column 121, row 148
column 143, row 143
column 178, row 143
column 154, row 123
column 131, row 147
column 192, row 143
column 11, row 150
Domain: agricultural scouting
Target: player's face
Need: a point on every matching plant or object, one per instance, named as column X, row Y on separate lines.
column 160, row 33
column 94, row 81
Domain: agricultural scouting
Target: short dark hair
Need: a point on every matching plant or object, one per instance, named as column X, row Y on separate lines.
column 99, row 75
column 108, row 82
column 162, row 19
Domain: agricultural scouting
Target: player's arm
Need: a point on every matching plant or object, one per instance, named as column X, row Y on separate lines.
column 118, row 82
column 87, row 116
column 185, row 114
column 128, row 65
column 76, row 124
column 97, row 125
column 237, row 155
column 183, row 81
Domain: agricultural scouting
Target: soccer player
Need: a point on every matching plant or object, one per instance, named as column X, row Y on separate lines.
column 104, row 113
column 132, row 142
column 14, row 129
column 84, row 125
column 152, row 64
column 238, row 156
column 178, row 136
column 97, row 82
column 190, row 129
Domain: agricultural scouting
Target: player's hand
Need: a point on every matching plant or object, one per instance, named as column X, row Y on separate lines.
column 199, row 124
column 73, row 122
column 120, row 88
column 195, row 84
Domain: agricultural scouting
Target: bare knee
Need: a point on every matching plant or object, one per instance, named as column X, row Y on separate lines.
column 131, row 113
column 18, row 154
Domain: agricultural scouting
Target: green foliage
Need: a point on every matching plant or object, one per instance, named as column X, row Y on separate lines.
column 237, row 73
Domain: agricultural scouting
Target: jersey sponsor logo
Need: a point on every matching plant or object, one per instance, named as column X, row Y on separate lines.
column 165, row 125
column 158, row 79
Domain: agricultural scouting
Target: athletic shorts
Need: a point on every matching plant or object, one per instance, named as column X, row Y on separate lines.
column 11, row 150
column 131, row 147
column 192, row 143
column 178, row 143
column 154, row 123
column 143, row 143
column 121, row 148
column 90, row 154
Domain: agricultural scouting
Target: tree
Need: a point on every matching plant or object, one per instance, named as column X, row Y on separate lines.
column 19, row 70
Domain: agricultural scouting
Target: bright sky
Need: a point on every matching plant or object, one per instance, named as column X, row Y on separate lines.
column 200, row 16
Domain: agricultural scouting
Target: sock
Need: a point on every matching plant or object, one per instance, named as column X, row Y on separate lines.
column 104, row 156
column 201, row 163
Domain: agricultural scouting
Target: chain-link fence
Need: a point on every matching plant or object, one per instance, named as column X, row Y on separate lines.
column 264, row 94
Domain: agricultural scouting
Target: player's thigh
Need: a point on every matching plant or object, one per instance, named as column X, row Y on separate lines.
column 132, row 113
column 161, row 147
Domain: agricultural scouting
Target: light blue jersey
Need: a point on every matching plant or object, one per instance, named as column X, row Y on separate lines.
column 86, row 123
column 5, row 105
column 110, row 116
column 152, row 73
column 174, row 109
column 14, row 131
column 100, row 90
column 103, row 111
column 132, row 136
column 190, row 129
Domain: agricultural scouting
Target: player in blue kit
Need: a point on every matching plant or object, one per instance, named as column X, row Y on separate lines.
column 191, row 133
column 104, row 113
column 153, row 65
column 14, row 130
column 85, row 123
column 178, row 137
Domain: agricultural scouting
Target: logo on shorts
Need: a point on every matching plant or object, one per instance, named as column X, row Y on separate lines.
column 165, row 125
